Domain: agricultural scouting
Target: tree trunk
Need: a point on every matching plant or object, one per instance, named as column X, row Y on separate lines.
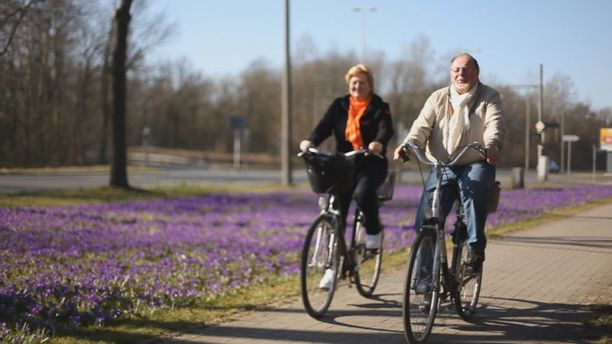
column 121, row 22
column 105, row 102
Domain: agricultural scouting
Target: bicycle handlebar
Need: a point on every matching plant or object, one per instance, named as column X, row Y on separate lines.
column 358, row 152
column 453, row 159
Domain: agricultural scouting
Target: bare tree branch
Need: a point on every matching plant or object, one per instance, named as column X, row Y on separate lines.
column 19, row 13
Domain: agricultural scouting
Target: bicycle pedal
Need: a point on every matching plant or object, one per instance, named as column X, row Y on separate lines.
column 447, row 308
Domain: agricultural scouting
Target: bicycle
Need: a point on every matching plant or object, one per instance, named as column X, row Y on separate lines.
column 325, row 247
column 452, row 284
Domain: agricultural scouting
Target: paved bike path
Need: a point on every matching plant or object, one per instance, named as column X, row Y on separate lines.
column 539, row 287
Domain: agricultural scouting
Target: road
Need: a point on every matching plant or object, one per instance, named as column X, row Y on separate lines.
column 27, row 182
column 141, row 178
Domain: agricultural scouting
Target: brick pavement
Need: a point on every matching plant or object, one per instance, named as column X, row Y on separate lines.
column 538, row 287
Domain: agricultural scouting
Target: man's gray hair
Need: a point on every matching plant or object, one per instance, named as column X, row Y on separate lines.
column 471, row 58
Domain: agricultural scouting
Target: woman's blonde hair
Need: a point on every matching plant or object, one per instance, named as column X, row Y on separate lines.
column 360, row 69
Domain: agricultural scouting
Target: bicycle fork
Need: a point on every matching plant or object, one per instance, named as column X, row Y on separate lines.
column 446, row 285
column 316, row 261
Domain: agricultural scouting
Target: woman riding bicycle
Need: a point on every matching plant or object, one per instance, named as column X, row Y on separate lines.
column 358, row 120
column 466, row 111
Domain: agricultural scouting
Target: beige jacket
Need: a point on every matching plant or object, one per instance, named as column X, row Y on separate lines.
column 486, row 124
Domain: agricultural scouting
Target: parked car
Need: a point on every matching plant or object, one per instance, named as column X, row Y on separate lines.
column 553, row 167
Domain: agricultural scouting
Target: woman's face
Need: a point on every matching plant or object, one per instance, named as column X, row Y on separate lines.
column 359, row 87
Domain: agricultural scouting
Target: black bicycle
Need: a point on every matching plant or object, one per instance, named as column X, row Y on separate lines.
column 430, row 283
column 326, row 250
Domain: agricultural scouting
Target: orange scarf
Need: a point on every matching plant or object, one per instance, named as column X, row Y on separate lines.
column 356, row 110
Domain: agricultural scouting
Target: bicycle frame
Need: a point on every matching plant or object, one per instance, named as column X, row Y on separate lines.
column 327, row 248
column 421, row 303
column 426, row 290
column 345, row 251
column 436, row 213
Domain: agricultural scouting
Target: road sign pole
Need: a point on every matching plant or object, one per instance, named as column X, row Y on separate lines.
column 569, row 139
column 569, row 158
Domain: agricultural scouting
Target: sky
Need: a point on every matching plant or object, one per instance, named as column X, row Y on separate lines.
column 509, row 38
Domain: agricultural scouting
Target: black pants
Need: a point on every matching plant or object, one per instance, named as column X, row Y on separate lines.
column 371, row 173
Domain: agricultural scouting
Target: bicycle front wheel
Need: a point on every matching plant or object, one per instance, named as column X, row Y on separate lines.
column 369, row 263
column 468, row 285
column 420, row 289
column 319, row 266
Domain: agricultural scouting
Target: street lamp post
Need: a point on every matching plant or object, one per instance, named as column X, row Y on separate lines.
column 527, row 122
column 146, row 135
column 542, row 160
column 542, row 176
column 286, row 172
column 364, row 45
column 527, row 133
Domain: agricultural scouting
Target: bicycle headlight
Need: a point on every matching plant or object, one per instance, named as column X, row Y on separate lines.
column 322, row 203
column 428, row 213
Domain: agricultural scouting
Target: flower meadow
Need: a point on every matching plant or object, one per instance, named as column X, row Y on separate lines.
column 84, row 265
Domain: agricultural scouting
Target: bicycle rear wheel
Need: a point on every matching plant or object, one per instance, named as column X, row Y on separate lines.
column 320, row 253
column 421, row 303
column 468, row 284
column 369, row 263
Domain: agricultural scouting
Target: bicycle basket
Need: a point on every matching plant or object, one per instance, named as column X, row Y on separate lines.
column 494, row 191
column 329, row 173
column 385, row 190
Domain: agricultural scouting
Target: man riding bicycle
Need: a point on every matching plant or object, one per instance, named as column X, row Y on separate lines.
column 360, row 119
column 466, row 111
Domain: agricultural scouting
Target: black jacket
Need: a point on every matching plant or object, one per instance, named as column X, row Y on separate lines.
column 375, row 124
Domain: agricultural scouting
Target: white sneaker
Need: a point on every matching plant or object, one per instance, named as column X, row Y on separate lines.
column 327, row 280
column 373, row 242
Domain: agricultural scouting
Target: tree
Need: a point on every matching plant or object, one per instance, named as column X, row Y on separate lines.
column 121, row 23
column 11, row 15
column 410, row 83
column 147, row 31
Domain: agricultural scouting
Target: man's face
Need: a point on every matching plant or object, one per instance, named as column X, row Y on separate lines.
column 359, row 87
column 463, row 74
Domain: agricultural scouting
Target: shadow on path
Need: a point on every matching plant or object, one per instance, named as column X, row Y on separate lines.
column 499, row 319
column 584, row 242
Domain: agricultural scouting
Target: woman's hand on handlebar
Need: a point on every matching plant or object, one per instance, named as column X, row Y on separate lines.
column 375, row 147
column 305, row 144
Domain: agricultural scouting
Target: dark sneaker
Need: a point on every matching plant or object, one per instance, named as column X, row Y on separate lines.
column 423, row 286
column 474, row 262
column 425, row 304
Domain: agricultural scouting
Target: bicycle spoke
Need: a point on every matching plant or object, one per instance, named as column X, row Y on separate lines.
column 420, row 294
column 319, row 257
column 468, row 288
column 369, row 265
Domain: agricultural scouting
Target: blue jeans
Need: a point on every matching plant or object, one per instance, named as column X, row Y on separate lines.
column 471, row 182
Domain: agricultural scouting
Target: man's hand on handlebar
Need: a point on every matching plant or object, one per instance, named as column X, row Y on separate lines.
column 402, row 152
column 492, row 155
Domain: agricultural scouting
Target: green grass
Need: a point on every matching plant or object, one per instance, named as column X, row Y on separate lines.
column 600, row 326
column 555, row 214
column 112, row 194
column 169, row 322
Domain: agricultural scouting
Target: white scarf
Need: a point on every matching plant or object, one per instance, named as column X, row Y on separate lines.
column 460, row 120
